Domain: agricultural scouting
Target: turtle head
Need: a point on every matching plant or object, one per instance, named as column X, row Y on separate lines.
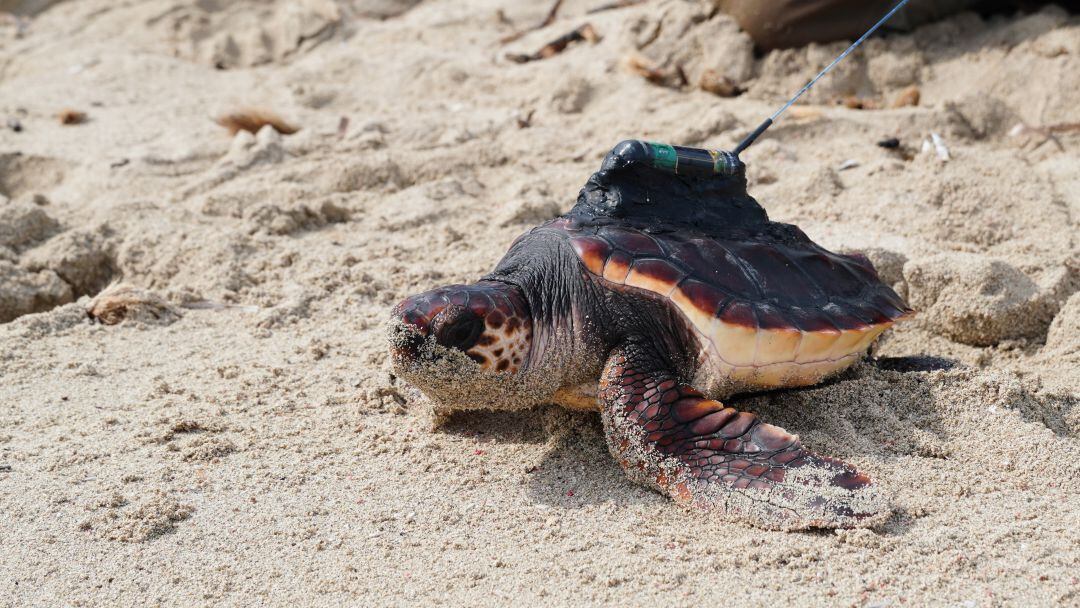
column 488, row 322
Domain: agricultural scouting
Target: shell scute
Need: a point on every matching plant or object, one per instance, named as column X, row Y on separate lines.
column 656, row 275
column 702, row 296
column 740, row 313
column 617, row 267
column 890, row 305
column 771, row 317
column 479, row 304
column 633, row 241
column 845, row 315
column 777, row 346
column 700, row 302
column 593, row 251
column 864, row 266
column 833, row 273
column 777, row 273
column 809, row 319
column 717, row 264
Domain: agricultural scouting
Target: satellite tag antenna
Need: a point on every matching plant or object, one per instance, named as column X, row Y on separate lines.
column 752, row 137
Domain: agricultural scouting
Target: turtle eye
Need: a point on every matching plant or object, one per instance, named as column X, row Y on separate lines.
column 458, row 327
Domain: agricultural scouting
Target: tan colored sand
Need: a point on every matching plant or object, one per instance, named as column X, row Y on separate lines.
column 257, row 450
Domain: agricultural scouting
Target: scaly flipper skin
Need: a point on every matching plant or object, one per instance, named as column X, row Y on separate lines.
column 668, row 436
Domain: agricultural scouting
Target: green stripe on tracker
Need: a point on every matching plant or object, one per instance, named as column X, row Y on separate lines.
column 664, row 156
column 692, row 161
column 720, row 162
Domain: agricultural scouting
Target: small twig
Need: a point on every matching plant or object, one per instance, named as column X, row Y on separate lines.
column 1065, row 127
column 548, row 20
column 613, row 5
column 854, row 102
column 680, row 73
column 1047, row 133
column 551, row 14
column 908, row 97
column 524, row 122
column 647, row 69
column 586, row 32
column 208, row 305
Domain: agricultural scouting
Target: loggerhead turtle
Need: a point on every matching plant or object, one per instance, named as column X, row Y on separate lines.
column 664, row 289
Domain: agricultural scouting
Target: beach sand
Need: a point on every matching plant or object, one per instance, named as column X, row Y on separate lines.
column 225, row 430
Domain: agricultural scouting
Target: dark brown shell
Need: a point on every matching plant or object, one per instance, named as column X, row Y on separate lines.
column 769, row 306
column 754, row 280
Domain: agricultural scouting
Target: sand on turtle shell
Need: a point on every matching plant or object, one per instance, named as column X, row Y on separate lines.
column 257, row 448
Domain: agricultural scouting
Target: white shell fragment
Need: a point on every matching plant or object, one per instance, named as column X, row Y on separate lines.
column 939, row 148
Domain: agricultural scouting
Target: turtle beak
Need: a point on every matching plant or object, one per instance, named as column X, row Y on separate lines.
column 406, row 343
column 408, row 332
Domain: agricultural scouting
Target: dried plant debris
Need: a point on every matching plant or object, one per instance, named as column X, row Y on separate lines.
column 548, row 20
column 585, row 32
column 524, row 119
column 718, row 84
column 614, row 5
column 674, row 77
column 68, row 116
column 854, row 102
column 121, row 302
column 1042, row 134
column 909, row 97
column 253, row 119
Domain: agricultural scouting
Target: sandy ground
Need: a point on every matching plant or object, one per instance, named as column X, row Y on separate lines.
column 239, row 439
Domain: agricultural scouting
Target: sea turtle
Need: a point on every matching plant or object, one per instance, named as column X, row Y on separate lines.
column 664, row 289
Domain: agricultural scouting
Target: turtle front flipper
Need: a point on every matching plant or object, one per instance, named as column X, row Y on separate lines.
column 668, row 436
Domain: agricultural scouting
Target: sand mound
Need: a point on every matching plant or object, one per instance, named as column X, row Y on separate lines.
column 146, row 519
column 1064, row 334
column 681, row 34
column 23, row 292
column 23, row 223
column 978, row 300
column 243, row 34
column 82, row 258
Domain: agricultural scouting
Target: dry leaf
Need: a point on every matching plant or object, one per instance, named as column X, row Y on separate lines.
column 716, row 84
column 908, row 97
column 69, row 116
column 253, row 119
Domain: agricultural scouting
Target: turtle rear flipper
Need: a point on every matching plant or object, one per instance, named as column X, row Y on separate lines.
column 668, row 436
